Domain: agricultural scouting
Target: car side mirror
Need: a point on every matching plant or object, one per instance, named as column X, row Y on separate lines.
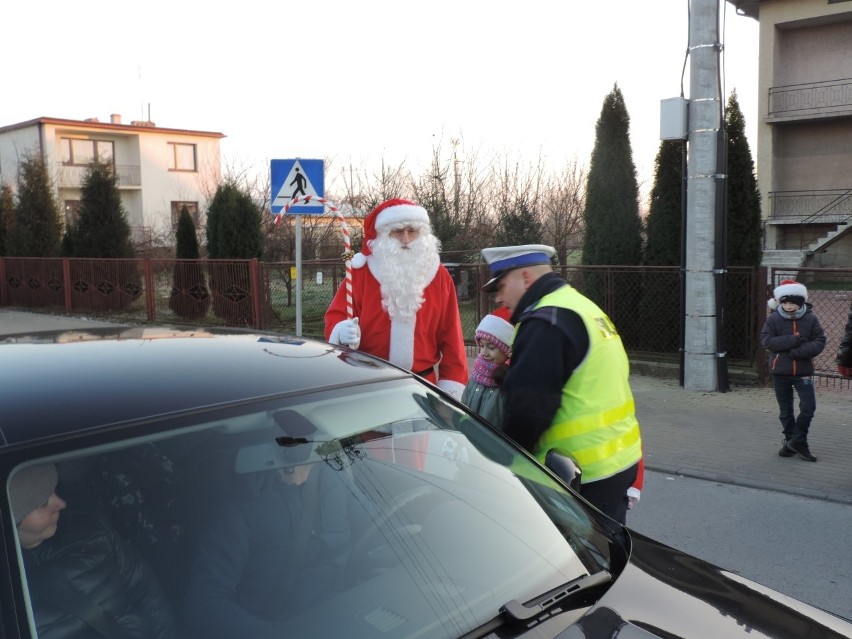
column 565, row 467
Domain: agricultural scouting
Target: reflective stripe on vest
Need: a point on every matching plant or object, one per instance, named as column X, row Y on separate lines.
column 596, row 421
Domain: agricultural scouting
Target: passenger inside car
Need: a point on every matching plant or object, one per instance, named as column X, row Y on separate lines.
column 84, row 579
column 281, row 545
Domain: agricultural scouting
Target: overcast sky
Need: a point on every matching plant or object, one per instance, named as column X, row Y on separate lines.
column 363, row 80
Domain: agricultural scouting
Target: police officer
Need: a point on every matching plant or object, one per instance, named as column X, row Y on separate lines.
column 567, row 386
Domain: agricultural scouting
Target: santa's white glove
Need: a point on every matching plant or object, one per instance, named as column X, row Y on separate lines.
column 633, row 495
column 453, row 389
column 347, row 333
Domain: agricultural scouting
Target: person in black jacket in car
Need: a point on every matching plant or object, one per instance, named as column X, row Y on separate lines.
column 85, row 580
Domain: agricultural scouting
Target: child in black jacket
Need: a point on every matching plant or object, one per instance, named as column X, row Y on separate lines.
column 794, row 336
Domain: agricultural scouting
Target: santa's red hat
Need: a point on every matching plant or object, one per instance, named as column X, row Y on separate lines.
column 502, row 313
column 385, row 215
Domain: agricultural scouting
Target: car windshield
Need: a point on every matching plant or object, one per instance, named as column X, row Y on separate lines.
column 379, row 508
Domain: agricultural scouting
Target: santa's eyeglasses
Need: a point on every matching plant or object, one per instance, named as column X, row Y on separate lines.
column 410, row 231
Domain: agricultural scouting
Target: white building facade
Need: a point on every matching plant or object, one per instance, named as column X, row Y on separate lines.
column 158, row 170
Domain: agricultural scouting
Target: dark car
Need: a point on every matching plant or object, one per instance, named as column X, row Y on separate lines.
column 210, row 483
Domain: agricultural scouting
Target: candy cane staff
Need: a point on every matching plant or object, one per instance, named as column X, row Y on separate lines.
column 347, row 240
column 404, row 300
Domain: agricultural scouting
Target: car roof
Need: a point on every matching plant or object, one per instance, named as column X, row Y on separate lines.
column 61, row 382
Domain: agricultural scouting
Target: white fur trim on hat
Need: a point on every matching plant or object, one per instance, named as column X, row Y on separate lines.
column 498, row 328
column 790, row 288
column 358, row 260
column 400, row 214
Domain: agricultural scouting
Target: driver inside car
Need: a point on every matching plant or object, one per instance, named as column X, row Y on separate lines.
column 280, row 547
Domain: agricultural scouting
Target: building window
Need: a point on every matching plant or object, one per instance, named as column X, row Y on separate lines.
column 192, row 209
column 72, row 213
column 181, row 157
column 77, row 152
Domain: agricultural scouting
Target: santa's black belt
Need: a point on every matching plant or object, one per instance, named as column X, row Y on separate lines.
column 425, row 371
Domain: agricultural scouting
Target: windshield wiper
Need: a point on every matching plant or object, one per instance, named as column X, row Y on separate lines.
column 517, row 611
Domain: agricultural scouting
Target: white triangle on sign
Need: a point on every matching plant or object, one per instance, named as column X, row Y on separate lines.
column 297, row 183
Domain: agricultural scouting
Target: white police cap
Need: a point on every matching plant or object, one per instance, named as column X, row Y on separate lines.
column 502, row 259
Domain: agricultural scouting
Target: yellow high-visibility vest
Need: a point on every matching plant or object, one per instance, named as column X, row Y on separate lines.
column 596, row 422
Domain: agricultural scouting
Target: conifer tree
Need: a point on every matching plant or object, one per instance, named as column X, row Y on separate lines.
column 102, row 229
column 744, row 231
column 613, row 229
column 233, row 225
column 186, row 241
column 190, row 297
column 743, row 198
column 663, row 248
column 233, row 232
column 7, row 215
column 665, row 217
column 37, row 231
column 518, row 224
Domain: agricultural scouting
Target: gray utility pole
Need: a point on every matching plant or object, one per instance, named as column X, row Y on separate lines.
column 701, row 329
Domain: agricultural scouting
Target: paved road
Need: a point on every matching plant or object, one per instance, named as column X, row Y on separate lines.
column 793, row 544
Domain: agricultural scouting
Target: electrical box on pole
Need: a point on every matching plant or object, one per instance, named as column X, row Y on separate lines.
column 674, row 118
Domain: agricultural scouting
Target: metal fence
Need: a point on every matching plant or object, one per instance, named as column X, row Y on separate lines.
column 645, row 303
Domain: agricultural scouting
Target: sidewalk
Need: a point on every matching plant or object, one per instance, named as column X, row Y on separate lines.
column 12, row 322
column 734, row 438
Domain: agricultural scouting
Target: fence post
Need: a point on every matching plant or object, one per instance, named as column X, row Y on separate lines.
column 257, row 306
column 66, row 284
column 149, row 289
column 760, row 300
column 482, row 298
column 3, row 295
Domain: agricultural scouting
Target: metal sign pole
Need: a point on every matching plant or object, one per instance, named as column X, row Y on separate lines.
column 298, row 275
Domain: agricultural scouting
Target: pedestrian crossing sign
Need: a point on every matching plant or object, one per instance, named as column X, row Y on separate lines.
column 297, row 177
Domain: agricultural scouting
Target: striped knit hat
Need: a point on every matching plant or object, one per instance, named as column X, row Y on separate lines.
column 497, row 330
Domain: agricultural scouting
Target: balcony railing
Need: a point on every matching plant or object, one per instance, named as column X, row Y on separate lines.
column 829, row 97
column 73, row 175
column 811, row 207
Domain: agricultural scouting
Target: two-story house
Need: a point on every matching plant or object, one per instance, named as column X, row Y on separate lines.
column 158, row 170
column 804, row 129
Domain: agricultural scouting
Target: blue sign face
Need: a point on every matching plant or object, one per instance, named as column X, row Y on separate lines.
column 297, row 178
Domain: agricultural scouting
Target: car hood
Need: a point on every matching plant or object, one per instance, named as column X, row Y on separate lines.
column 663, row 592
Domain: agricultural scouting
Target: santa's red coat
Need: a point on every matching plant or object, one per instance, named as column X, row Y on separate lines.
column 435, row 337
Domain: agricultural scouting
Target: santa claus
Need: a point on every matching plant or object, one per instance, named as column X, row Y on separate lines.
column 404, row 302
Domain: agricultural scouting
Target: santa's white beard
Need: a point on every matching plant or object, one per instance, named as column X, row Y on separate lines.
column 404, row 272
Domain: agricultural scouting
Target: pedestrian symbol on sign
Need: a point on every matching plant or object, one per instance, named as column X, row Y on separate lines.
column 300, row 181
